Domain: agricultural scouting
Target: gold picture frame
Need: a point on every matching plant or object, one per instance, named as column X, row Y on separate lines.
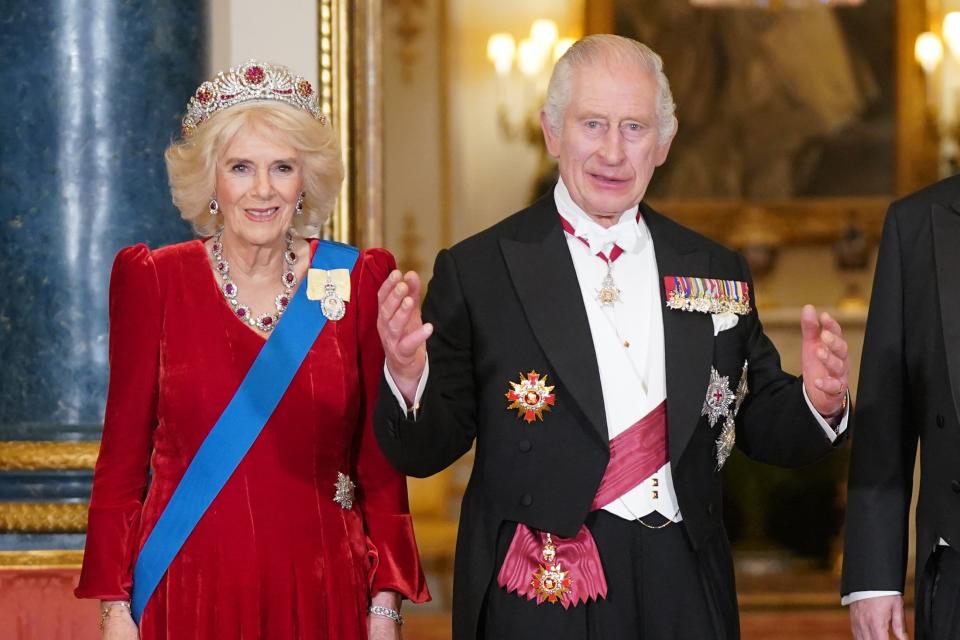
column 350, row 91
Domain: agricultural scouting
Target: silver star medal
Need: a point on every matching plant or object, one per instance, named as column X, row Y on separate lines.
column 742, row 389
column 728, row 434
column 608, row 294
column 344, row 494
column 719, row 398
column 332, row 304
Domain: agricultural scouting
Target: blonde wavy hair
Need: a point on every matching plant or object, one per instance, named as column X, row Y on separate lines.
column 192, row 162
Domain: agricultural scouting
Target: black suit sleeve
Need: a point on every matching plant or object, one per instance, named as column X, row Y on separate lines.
column 776, row 425
column 445, row 425
column 885, row 442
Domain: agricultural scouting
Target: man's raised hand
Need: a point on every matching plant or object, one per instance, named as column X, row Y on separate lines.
column 402, row 331
column 824, row 360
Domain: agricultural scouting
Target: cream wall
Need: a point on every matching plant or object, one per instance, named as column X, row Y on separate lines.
column 416, row 168
column 282, row 31
column 449, row 170
column 491, row 176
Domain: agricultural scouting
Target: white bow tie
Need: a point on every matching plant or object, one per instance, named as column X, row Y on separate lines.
column 624, row 234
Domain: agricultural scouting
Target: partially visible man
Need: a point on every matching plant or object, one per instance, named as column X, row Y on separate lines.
column 909, row 393
column 604, row 359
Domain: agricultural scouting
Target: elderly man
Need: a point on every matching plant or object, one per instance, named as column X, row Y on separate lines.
column 604, row 359
column 909, row 394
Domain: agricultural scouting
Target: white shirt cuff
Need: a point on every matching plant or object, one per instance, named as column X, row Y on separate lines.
column 850, row 598
column 410, row 411
column 832, row 433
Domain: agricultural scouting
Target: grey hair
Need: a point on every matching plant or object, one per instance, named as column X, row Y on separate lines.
column 606, row 48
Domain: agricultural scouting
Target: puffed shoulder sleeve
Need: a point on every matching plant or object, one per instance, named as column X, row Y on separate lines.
column 395, row 562
column 120, row 475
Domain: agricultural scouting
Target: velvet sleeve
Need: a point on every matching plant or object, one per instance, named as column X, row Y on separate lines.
column 120, row 475
column 382, row 489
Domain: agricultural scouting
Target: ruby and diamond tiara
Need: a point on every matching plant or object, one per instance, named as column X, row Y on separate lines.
column 245, row 83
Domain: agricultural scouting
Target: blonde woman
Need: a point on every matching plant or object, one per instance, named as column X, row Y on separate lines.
column 239, row 492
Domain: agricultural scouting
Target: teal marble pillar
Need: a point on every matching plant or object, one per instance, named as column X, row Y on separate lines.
column 93, row 91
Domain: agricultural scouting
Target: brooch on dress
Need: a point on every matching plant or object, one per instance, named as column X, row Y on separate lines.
column 723, row 402
column 344, row 494
column 707, row 295
column 531, row 396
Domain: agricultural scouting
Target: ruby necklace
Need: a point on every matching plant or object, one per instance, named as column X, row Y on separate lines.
column 265, row 321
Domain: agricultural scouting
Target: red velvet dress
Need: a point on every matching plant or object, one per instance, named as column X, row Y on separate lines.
column 274, row 556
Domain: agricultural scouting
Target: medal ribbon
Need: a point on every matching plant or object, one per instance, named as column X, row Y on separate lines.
column 722, row 295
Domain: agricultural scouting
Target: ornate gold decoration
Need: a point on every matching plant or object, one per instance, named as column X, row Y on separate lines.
column 550, row 582
column 792, row 222
column 42, row 559
column 407, row 29
column 31, row 456
column 333, row 92
column 531, row 396
column 350, row 85
column 43, row 517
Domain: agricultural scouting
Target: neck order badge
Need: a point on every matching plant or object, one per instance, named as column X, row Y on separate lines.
column 237, row 428
column 608, row 294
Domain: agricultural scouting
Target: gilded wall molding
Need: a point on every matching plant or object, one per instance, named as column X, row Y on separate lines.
column 791, row 222
column 408, row 28
column 41, row 559
column 43, row 517
column 33, row 456
column 334, row 83
column 350, row 70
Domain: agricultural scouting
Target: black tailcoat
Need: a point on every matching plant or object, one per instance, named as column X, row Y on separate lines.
column 909, row 391
column 506, row 302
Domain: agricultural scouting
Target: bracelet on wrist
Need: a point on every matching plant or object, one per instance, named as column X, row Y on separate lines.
column 386, row 612
column 108, row 609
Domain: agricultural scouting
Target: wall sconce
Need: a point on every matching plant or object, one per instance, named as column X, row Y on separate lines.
column 523, row 71
column 939, row 57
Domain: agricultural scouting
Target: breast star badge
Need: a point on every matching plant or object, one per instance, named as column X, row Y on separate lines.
column 719, row 397
column 717, row 405
column 531, row 396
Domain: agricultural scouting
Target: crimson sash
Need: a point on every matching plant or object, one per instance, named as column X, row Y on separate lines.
column 635, row 455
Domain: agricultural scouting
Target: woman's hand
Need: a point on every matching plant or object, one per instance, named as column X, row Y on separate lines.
column 119, row 625
column 380, row 628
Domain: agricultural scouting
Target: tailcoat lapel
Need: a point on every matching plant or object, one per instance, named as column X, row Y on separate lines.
column 542, row 271
column 946, row 239
column 688, row 337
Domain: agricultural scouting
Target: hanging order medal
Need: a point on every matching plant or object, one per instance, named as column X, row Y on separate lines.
column 608, row 294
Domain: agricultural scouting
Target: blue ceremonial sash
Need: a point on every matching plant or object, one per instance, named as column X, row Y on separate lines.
column 237, row 428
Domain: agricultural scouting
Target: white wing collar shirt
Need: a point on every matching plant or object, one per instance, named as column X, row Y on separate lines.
column 627, row 336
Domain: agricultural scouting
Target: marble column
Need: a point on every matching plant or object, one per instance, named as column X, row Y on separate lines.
column 93, row 92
